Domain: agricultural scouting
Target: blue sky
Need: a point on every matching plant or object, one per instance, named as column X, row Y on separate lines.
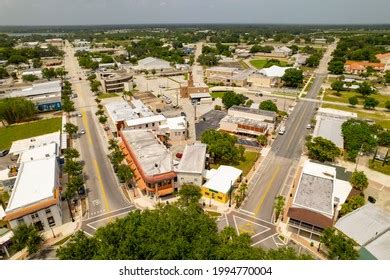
column 74, row 12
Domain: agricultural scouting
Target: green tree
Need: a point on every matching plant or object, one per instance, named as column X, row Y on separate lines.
column 336, row 67
column 384, row 138
column 73, row 167
column 352, row 204
column 30, row 78
column 103, row 119
column 124, row 173
column 169, row 232
column 189, row 194
column 387, row 77
column 359, row 180
column 221, row 146
column 337, row 85
column 116, row 157
column 71, row 129
column 99, row 112
column 279, row 206
column 313, row 60
column 3, row 73
column 49, row 73
column 365, row 89
column 322, row 149
column 26, row 236
column 71, row 153
column 37, row 63
column 240, row 194
column 16, row 109
column 113, row 144
column 79, row 247
column 95, row 85
column 339, row 247
column 370, row 103
column 358, row 135
column 231, row 98
column 67, row 104
column 208, row 59
column 60, row 72
column 353, row 100
column 75, row 182
column 293, row 77
column 268, row 105
column 262, row 139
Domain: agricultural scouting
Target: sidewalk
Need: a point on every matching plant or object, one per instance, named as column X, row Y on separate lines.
column 372, row 175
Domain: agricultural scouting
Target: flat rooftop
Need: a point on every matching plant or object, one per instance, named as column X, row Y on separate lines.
column 223, row 179
column 329, row 128
column 153, row 157
column 245, row 121
column 36, row 89
column 41, row 152
column 145, row 120
column 36, row 181
column 365, row 223
column 193, row 159
column 122, row 110
column 253, row 111
column 22, row 145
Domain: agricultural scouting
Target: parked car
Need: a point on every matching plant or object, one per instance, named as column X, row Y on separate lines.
column 82, row 131
column 79, row 115
column 183, row 114
column 3, row 153
column 308, row 126
column 282, row 130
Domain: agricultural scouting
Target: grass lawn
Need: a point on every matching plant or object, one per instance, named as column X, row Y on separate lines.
column 379, row 117
column 218, row 94
column 377, row 165
column 261, row 63
column 27, row 130
column 107, row 95
column 329, row 96
column 246, row 165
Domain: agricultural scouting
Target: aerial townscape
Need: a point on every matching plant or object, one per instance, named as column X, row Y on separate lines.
column 212, row 142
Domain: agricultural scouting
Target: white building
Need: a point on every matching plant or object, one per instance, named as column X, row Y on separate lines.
column 35, row 198
column 20, row 146
column 191, row 168
column 329, row 122
column 46, row 96
column 150, row 122
column 152, row 63
column 175, row 127
column 285, row 51
column 320, row 192
column 247, row 121
column 34, row 72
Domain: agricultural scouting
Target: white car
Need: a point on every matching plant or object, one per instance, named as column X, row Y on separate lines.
column 282, row 130
column 82, row 131
column 308, row 126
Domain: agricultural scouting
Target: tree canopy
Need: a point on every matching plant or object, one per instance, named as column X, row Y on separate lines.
column 339, row 247
column 26, row 236
column 359, row 180
column 358, row 134
column 322, row 149
column 221, row 146
column 231, row 98
column 168, row 232
column 268, row 105
column 293, row 77
column 352, row 204
column 16, row 109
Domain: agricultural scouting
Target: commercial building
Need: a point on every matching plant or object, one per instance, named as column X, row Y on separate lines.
column 46, row 96
column 23, row 145
column 220, row 183
column 247, row 121
column 190, row 88
column 152, row 63
column 329, row 122
column 228, row 76
column 55, row 42
column 267, row 77
column 359, row 67
column 368, row 226
column 150, row 161
column 319, row 193
column 121, row 111
column 175, row 128
column 115, row 81
column 35, row 198
column 34, row 72
column 150, row 122
column 191, row 168
column 282, row 51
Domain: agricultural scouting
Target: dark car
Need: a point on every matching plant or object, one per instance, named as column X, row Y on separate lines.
column 3, row 153
column 183, row 114
column 81, row 191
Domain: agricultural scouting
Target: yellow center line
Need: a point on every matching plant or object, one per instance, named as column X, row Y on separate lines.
column 96, row 166
column 296, row 127
column 262, row 198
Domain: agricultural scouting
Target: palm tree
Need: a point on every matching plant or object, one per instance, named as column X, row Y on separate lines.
column 103, row 119
column 124, row 173
column 113, row 144
column 71, row 129
column 26, row 236
column 278, row 206
column 71, row 153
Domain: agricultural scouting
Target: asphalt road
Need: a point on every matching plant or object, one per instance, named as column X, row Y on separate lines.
column 277, row 171
column 272, row 178
column 103, row 192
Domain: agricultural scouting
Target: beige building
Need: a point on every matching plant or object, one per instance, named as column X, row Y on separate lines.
column 247, row 121
column 115, row 81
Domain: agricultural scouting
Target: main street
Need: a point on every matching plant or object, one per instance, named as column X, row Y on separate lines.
column 276, row 172
column 104, row 196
